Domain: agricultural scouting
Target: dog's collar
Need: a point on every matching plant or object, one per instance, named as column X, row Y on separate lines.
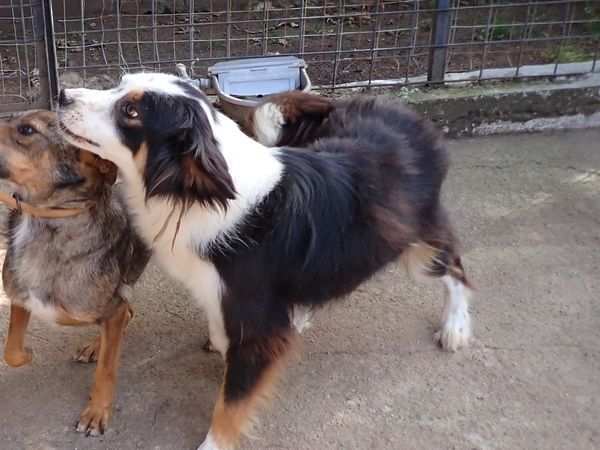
column 13, row 202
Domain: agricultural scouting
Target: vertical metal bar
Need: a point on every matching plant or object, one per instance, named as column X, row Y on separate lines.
column 302, row 28
column 137, row 34
column 439, row 42
column 120, row 57
column 102, row 37
column 27, row 63
column 52, row 63
column 210, row 29
column 17, row 48
column 191, row 11
column 565, row 31
column 83, row 48
column 174, row 29
column 265, row 28
column 413, row 39
column 228, row 37
column 155, row 33
column 338, row 46
column 66, row 35
column 486, row 41
column 523, row 38
column 374, row 42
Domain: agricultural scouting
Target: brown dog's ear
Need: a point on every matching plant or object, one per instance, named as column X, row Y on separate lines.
column 106, row 169
column 296, row 105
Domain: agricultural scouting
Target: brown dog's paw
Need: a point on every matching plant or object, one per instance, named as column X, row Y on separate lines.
column 18, row 358
column 89, row 353
column 93, row 420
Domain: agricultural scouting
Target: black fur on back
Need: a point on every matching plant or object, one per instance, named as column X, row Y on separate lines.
column 346, row 206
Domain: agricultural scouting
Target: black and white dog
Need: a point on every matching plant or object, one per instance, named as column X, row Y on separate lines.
column 258, row 233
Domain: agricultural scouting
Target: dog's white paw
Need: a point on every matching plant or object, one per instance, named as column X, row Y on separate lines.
column 209, row 443
column 455, row 332
column 300, row 318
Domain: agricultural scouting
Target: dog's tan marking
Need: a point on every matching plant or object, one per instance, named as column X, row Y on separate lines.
column 232, row 419
column 24, row 173
column 94, row 418
column 97, row 169
column 15, row 352
column 140, row 158
column 65, row 319
column 135, row 95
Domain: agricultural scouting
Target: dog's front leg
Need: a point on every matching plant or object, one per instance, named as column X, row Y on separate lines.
column 94, row 418
column 15, row 352
column 252, row 368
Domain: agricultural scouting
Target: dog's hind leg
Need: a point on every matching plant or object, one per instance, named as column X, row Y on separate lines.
column 89, row 352
column 436, row 257
column 15, row 352
column 252, row 369
column 94, row 418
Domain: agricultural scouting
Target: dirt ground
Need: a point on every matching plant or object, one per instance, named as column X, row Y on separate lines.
column 527, row 209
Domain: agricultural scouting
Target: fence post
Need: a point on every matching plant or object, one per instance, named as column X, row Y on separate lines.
column 439, row 42
column 50, row 49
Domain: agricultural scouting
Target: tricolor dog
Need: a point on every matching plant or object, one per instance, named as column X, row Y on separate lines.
column 258, row 233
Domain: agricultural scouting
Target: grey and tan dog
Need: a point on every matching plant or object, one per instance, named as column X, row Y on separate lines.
column 74, row 270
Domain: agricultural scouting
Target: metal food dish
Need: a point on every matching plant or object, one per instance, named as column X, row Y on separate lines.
column 240, row 84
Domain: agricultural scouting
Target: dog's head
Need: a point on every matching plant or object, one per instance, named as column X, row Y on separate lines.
column 293, row 119
column 156, row 126
column 42, row 168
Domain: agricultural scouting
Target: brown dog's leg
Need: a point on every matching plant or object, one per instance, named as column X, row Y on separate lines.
column 15, row 352
column 95, row 416
column 252, row 369
column 89, row 352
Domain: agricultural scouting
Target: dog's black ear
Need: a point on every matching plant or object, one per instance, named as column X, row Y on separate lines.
column 185, row 162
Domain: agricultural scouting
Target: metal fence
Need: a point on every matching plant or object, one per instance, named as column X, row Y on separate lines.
column 358, row 43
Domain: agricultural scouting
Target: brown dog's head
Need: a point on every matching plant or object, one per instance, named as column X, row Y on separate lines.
column 43, row 169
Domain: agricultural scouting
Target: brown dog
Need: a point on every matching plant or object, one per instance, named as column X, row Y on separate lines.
column 73, row 270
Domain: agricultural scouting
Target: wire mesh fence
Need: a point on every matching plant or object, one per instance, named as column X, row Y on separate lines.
column 22, row 55
column 344, row 42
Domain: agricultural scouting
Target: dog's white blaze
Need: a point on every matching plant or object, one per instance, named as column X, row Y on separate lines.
column 268, row 122
column 455, row 329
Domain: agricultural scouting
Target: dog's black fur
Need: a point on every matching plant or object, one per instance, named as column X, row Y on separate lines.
column 346, row 206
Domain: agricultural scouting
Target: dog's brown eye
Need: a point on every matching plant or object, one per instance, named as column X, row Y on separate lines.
column 25, row 130
column 131, row 111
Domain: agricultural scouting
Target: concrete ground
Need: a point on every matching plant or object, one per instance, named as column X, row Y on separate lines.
column 528, row 211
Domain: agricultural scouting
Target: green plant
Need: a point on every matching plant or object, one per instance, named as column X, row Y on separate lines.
column 566, row 54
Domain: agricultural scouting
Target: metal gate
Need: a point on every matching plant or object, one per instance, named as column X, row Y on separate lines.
column 27, row 71
column 346, row 43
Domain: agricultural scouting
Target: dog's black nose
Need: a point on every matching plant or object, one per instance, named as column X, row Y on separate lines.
column 63, row 100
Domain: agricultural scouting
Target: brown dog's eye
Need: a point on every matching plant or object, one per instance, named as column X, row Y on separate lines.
column 130, row 111
column 25, row 130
